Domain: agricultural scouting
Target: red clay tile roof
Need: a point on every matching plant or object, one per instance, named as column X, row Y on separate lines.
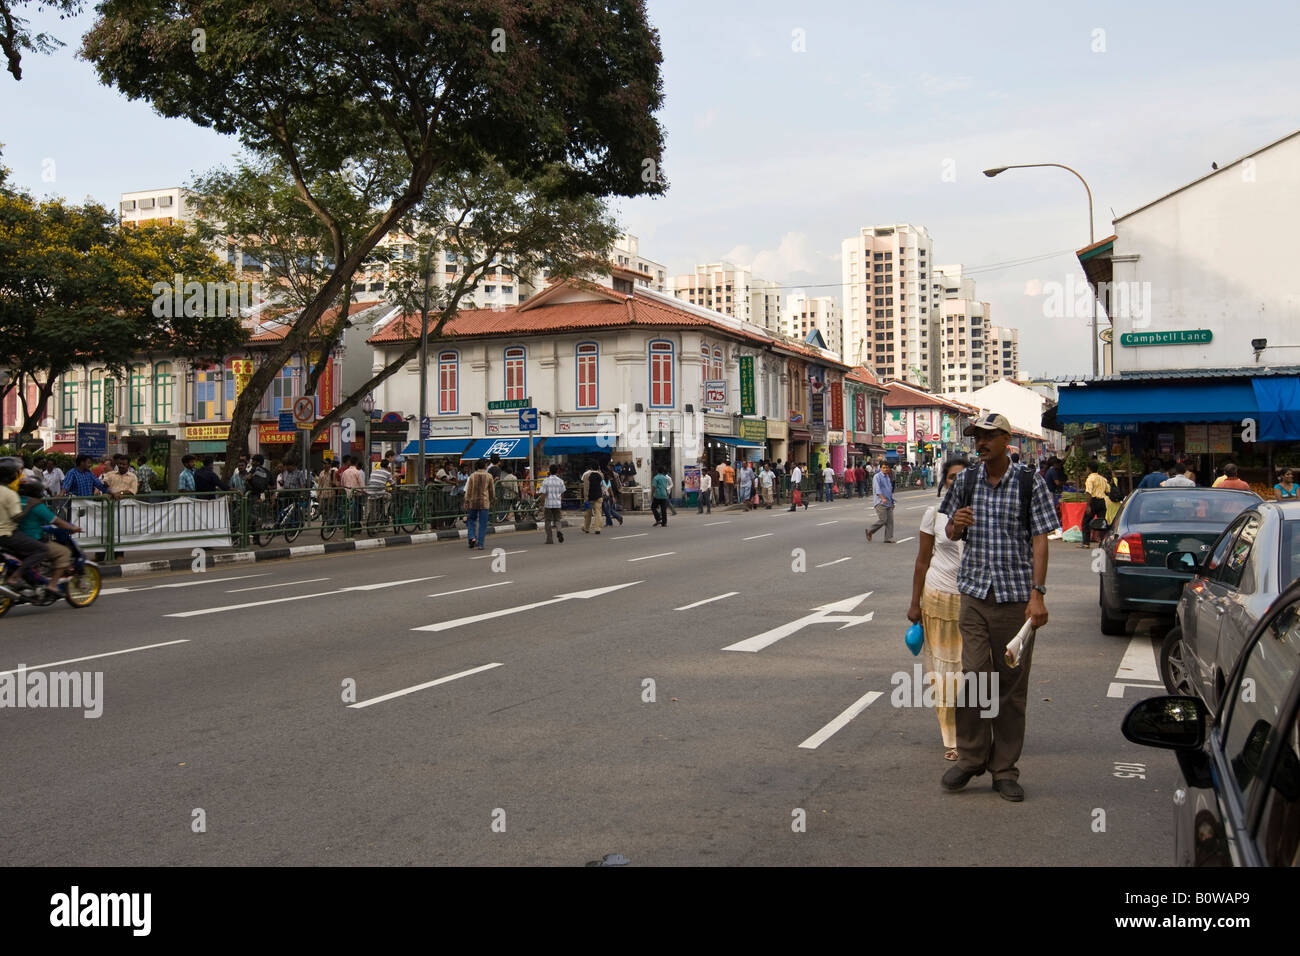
column 610, row 310
column 903, row 395
column 862, row 374
column 279, row 329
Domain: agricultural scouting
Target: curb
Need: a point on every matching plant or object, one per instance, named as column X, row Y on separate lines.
column 307, row 550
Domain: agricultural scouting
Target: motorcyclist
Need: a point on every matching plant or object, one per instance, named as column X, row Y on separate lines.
column 29, row 550
column 35, row 516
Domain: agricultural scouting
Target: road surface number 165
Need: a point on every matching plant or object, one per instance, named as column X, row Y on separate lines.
column 1128, row 771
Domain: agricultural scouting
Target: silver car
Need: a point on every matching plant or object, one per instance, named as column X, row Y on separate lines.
column 1253, row 561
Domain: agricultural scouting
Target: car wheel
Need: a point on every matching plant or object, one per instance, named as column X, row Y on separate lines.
column 1173, row 664
column 1112, row 625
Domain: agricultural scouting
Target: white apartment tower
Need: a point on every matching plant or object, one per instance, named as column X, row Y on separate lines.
column 890, row 317
column 732, row 290
column 156, row 207
column 1004, row 353
column 804, row 313
column 626, row 254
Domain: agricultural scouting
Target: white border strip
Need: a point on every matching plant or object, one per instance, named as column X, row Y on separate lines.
column 412, row 690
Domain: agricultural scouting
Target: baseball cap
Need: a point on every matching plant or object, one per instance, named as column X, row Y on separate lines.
column 988, row 422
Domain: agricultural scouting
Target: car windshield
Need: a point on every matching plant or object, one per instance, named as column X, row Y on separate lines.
column 1169, row 506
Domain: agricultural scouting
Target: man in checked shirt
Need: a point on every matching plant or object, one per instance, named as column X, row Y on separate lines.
column 1004, row 512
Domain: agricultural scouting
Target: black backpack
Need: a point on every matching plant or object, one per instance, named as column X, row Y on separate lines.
column 595, row 488
column 1026, row 479
column 259, row 479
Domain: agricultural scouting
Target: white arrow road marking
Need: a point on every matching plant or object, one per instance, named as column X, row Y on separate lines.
column 463, row 590
column 823, row 735
column 820, row 615
column 182, row 584
column 502, row 612
column 76, row 660
column 687, row 607
column 432, row 683
column 282, row 584
column 303, row 597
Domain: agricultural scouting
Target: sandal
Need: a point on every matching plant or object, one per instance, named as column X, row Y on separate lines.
column 950, row 754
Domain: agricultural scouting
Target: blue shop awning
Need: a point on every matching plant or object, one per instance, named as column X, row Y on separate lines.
column 438, row 446
column 1279, row 408
column 736, row 442
column 505, row 447
column 579, row 445
column 1154, row 401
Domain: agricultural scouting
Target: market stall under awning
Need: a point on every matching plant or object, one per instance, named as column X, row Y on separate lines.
column 1157, row 401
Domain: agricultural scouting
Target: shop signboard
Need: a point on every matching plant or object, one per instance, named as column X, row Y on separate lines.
column 206, row 432
column 748, row 406
column 860, row 412
column 1220, row 439
column 1195, row 440
column 877, row 419
column 574, row 424
column 817, row 408
column 715, row 394
column 1165, row 444
column 752, row 430
column 837, row 406
column 690, row 478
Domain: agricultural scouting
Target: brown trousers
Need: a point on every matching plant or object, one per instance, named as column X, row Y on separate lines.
column 984, row 743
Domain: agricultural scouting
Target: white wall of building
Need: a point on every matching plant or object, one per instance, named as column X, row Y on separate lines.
column 1217, row 254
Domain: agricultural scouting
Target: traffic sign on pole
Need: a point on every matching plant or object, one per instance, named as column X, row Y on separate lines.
column 304, row 411
column 528, row 419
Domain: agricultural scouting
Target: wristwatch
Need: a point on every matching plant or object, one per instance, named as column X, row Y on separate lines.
column 1041, row 589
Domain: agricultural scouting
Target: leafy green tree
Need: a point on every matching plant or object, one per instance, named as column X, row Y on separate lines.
column 428, row 89
column 16, row 34
column 76, row 290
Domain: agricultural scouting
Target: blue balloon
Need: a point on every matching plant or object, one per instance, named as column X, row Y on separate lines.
column 915, row 638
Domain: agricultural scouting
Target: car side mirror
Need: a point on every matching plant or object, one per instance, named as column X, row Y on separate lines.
column 1182, row 561
column 1170, row 723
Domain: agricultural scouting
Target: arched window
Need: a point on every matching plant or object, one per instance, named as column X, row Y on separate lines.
column 717, row 363
column 448, row 383
column 661, row 374
column 162, row 393
column 588, row 375
column 207, row 394
column 516, row 375
column 138, row 399
column 68, row 413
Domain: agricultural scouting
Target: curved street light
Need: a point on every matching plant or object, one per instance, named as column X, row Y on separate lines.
column 1091, row 235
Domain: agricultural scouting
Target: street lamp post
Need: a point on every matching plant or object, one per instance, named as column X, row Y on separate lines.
column 424, row 359
column 1091, row 234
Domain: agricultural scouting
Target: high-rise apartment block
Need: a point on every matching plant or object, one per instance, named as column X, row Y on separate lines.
column 155, row 207
column 803, row 313
column 890, row 318
column 1004, row 353
column 732, row 290
column 627, row 255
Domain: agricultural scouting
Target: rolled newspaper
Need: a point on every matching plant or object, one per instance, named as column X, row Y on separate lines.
column 1016, row 646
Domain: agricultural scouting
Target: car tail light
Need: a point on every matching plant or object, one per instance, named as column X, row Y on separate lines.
column 1130, row 549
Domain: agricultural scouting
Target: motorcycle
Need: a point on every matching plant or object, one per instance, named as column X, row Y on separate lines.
column 82, row 584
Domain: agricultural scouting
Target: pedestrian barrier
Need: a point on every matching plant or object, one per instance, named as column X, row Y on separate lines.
column 243, row 519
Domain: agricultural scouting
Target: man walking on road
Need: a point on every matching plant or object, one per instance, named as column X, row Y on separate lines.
column 828, row 479
column 593, row 491
column 882, row 487
column 659, row 504
column 551, row 492
column 706, row 492
column 766, row 482
column 796, row 496
column 479, row 491
column 1004, row 513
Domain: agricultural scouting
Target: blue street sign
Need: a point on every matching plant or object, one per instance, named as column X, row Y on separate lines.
column 92, row 439
column 286, row 422
column 528, row 419
column 426, row 427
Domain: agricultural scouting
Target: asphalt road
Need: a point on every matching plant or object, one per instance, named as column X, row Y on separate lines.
column 226, row 711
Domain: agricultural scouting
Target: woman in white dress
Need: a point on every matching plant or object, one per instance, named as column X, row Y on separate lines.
column 937, row 605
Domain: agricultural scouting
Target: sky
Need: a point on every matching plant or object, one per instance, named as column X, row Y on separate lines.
column 790, row 126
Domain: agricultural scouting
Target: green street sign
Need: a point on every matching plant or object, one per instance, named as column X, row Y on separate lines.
column 1179, row 337
column 747, row 403
column 110, row 390
column 509, row 404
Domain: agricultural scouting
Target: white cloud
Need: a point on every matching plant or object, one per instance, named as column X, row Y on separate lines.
column 932, row 85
